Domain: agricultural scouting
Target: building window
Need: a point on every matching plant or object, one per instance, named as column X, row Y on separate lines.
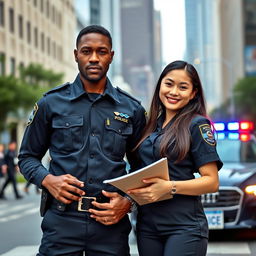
column 21, row 68
column 2, row 13
column 20, row 26
column 48, row 46
column 54, row 50
column 42, row 5
column 60, row 17
column 36, row 37
column 42, row 41
column 47, row 9
column 28, row 32
column 12, row 66
column 53, row 14
column 2, row 64
column 11, row 20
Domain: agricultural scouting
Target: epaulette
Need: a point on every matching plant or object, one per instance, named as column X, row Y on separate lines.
column 56, row 88
column 128, row 95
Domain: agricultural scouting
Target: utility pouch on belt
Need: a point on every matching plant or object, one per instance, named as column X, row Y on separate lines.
column 46, row 199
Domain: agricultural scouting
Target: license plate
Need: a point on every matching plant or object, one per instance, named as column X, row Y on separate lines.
column 215, row 219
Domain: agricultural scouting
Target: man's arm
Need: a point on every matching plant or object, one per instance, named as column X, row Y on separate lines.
column 35, row 144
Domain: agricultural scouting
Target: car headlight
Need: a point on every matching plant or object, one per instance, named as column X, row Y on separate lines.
column 251, row 189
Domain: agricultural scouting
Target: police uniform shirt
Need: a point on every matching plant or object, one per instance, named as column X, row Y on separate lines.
column 182, row 213
column 87, row 135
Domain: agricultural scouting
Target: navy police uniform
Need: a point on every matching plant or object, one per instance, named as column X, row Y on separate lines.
column 87, row 136
column 180, row 220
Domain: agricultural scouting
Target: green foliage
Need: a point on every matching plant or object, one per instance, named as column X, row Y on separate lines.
column 244, row 101
column 23, row 92
column 245, row 97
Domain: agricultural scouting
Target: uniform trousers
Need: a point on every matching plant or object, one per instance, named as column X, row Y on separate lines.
column 177, row 244
column 70, row 233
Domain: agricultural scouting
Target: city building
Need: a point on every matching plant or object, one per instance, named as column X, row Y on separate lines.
column 141, row 46
column 214, row 31
column 37, row 31
column 249, row 15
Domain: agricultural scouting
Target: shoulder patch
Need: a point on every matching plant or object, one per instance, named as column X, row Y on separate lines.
column 128, row 95
column 32, row 114
column 207, row 135
column 57, row 88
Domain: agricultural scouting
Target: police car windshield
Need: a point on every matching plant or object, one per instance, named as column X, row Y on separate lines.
column 237, row 151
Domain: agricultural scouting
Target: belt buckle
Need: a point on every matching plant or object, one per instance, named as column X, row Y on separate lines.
column 80, row 203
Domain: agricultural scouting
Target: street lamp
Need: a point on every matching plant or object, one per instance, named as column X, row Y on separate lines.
column 229, row 67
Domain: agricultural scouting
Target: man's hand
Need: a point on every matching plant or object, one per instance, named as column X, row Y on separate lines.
column 113, row 211
column 64, row 188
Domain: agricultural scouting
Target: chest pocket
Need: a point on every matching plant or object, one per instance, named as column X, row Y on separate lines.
column 67, row 133
column 115, row 138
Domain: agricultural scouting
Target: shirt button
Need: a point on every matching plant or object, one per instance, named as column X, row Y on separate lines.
column 92, row 134
column 120, row 130
column 67, row 124
column 90, row 181
column 91, row 155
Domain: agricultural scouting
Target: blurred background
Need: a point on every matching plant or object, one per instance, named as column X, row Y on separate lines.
column 37, row 39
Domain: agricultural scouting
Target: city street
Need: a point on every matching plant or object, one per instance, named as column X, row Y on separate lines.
column 20, row 231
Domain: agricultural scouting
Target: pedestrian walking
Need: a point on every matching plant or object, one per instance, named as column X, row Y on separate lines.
column 11, row 162
column 2, row 164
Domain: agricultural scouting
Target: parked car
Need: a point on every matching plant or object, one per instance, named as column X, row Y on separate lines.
column 234, row 205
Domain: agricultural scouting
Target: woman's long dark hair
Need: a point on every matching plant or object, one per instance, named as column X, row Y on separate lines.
column 178, row 133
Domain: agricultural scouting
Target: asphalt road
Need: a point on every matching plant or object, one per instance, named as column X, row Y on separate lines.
column 20, row 231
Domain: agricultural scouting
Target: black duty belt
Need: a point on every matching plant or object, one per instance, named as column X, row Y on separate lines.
column 83, row 205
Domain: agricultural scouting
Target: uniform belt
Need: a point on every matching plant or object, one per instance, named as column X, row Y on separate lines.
column 83, row 205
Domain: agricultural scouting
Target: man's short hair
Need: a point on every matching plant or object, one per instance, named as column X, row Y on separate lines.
column 94, row 29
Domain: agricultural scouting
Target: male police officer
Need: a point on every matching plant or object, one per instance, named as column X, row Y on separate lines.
column 88, row 126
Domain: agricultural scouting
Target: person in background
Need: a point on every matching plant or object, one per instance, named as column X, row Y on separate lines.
column 11, row 162
column 2, row 165
column 88, row 127
column 178, row 128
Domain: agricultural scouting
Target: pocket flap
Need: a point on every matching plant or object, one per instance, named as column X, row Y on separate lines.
column 119, row 128
column 67, row 121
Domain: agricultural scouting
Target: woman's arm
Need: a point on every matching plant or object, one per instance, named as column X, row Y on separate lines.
column 207, row 183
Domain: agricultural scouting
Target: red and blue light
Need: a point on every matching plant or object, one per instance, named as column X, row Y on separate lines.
column 234, row 130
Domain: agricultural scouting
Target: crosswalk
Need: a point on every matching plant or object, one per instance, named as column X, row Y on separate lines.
column 214, row 248
column 8, row 213
column 13, row 212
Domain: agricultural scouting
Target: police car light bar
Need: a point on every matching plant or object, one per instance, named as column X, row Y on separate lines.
column 244, row 126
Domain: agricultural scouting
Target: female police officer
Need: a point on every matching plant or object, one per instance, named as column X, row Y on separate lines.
column 178, row 129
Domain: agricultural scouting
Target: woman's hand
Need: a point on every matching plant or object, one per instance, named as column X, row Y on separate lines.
column 156, row 188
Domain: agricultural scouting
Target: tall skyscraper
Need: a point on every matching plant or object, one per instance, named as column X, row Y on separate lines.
column 215, row 44
column 139, row 39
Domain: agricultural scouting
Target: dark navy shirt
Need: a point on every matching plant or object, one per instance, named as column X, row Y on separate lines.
column 182, row 213
column 87, row 135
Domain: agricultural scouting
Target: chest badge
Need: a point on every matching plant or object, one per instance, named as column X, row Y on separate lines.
column 121, row 117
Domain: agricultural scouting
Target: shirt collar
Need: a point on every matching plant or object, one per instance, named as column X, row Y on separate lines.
column 77, row 90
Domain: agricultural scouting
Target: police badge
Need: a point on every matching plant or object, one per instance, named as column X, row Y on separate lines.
column 32, row 115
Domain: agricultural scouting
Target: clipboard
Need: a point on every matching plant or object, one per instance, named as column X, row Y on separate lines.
column 134, row 180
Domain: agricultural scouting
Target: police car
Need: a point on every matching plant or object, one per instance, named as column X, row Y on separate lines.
column 234, row 205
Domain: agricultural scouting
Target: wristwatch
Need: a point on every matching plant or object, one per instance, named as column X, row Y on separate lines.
column 133, row 204
column 173, row 189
